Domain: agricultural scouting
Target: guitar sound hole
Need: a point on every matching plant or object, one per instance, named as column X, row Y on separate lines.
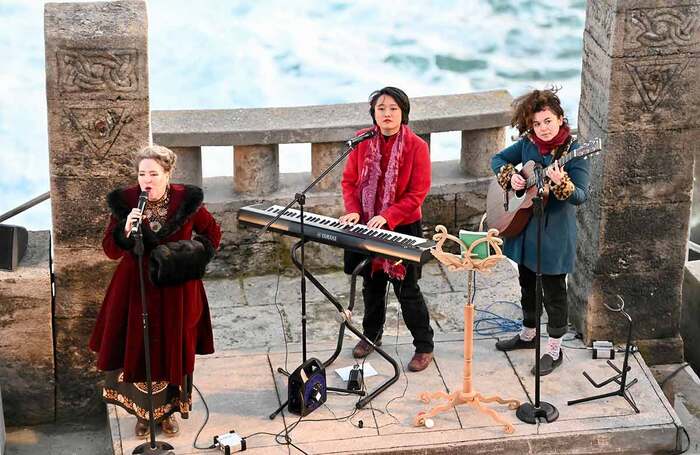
column 519, row 193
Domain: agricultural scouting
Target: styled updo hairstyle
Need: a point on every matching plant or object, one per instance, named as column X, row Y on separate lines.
column 398, row 95
column 162, row 155
column 525, row 107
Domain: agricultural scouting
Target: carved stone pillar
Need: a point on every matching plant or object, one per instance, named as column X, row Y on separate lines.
column 256, row 168
column 98, row 114
column 188, row 168
column 323, row 155
column 478, row 146
column 640, row 94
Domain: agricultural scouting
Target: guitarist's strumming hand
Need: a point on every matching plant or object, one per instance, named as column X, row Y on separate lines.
column 555, row 173
column 517, row 182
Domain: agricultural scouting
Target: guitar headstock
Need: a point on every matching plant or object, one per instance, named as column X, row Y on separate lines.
column 588, row 148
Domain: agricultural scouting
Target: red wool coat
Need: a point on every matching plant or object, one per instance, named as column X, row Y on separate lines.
column 179, row 320
column 412, row 184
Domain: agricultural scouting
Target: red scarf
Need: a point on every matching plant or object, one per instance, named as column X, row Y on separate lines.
column 546, row 147
column 369, row 182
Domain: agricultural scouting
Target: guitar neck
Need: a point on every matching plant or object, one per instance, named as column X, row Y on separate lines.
column 532, row 181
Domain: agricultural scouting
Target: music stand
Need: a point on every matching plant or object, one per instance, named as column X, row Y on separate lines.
column 621, row 377
column 471, row 265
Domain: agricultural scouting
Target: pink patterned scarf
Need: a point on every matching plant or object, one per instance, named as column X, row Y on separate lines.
column 369, row 183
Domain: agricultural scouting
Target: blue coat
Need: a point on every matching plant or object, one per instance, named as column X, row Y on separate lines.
column 559, row 224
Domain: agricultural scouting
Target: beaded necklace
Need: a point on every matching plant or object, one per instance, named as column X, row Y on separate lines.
column 157, row 211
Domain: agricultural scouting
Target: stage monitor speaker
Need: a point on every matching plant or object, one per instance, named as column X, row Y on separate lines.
column 307, row 387
column 13, row 245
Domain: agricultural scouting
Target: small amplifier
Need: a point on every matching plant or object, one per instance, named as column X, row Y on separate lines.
column 306, row 390
column 603, row 350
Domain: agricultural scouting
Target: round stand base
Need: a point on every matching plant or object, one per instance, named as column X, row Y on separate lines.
column 528, row 413
column 159, row 449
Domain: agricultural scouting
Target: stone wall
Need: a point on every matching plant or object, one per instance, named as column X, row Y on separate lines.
column 26, row 345
column 98, row 114
column 640, row 94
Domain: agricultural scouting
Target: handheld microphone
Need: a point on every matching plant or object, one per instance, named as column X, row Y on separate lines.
column 362, row 137
column 143, row 200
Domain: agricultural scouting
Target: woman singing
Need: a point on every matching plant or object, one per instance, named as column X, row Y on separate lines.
column 385, row 182
column 173, row 263
column 545, row 137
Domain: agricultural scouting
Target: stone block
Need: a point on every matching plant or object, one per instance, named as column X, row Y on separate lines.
column 96, row 138
column 79, row 210
column 649, row 298
column 26, row 346
column 642, row 57
column 322, row 156
column 639, row 238
column 690, row 313
column 256, row 168
column 647, row 167
column 188, row 168
column 96, row 50
column 77, row 389
column 82, row 277
column 644, row 27
column 478, row 146
column 98, row 115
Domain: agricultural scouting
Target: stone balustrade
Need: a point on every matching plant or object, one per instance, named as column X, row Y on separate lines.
column 457, row 197
column 255, row 134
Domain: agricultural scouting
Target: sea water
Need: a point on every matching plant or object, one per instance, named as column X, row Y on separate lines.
column 219, row 54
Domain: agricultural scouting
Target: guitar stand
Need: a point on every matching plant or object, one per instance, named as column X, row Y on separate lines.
column 621, row 377
column 345, row 318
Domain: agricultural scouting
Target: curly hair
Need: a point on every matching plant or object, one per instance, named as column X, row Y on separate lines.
column 162, row 155
column 525, row 107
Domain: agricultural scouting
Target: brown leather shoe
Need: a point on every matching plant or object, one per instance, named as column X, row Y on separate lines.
column 420, row 361
column 363, row 349
column 142, row 428
column 170, row 425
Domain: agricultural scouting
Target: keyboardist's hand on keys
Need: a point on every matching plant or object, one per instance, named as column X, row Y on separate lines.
column 349, row 218
column 376, row 222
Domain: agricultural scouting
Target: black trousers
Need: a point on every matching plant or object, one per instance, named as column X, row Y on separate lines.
column 413, row 308
column 554, row 300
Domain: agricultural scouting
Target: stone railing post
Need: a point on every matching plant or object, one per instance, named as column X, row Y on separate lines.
column 98, row 115
column 639, row 92
column 323, row 155
column 256, row 168
column 478, row 146
column 188, row 168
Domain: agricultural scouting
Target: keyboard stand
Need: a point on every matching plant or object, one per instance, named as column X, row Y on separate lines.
column 345, row 317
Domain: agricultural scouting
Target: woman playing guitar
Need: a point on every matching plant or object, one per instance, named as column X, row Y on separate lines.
column 544, row 138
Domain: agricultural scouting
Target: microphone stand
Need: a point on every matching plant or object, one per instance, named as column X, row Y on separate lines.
column 152, row 447
column 300, row 198
column 527, row 412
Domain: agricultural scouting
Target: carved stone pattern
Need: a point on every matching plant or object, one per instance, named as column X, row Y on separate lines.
column 98, row 127
column 653, row 79
column 665, row 26
column 95, row 70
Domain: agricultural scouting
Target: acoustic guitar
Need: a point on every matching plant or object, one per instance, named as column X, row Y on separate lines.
column 510, row 211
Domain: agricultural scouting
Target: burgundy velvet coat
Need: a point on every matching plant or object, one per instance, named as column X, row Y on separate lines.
column 179, row 320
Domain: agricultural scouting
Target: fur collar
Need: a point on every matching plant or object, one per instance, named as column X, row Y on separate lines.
column 184, row 199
